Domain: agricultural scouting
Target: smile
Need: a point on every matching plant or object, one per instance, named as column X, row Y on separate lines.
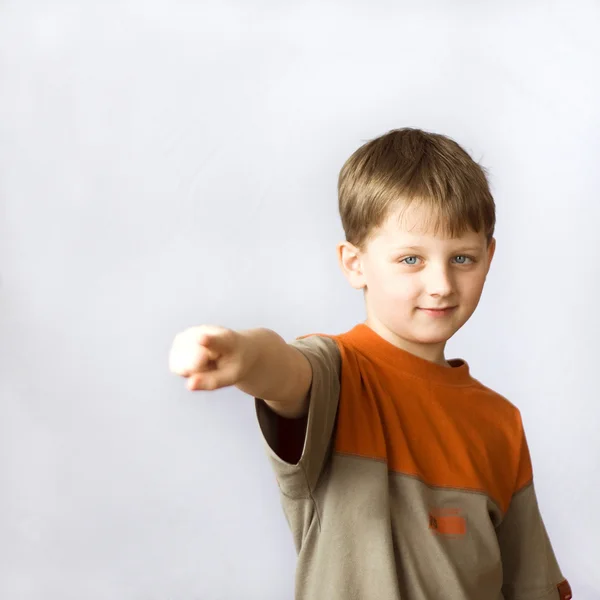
column 438, row 312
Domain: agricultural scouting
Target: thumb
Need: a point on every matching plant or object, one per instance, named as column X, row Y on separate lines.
column 210, row 380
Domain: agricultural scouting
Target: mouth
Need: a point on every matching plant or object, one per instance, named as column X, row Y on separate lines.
column 438, row 312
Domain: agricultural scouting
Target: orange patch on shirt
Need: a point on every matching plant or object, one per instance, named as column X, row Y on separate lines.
column 447, row 521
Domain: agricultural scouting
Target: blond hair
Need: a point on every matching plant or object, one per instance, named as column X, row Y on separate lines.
column 410, row 165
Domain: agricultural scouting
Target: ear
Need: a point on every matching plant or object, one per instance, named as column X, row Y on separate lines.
column 491, row 250
column 350, row 261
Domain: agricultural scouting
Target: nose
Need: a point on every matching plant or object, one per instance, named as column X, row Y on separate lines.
column 438, row 280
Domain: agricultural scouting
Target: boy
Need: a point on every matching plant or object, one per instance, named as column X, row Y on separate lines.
column 401, row 476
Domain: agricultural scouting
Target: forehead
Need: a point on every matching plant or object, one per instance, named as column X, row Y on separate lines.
column 417, row 224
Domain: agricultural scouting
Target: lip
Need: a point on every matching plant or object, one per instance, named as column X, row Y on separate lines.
column 438, row 312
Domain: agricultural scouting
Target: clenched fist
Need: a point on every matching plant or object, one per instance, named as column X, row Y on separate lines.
column 210, row 357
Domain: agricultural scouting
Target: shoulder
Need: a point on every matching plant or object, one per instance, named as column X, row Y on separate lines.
column 498, row 406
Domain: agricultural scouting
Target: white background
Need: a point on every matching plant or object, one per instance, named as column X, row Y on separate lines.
column 167, row 164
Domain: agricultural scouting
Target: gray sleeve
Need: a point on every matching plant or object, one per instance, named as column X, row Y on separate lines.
column 299, row 480
column 531, row 571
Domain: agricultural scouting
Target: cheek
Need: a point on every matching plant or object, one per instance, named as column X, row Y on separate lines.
column 397, row 288
column 470, row 293
column 473, row 286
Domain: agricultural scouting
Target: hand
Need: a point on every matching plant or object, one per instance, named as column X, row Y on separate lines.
column 210, row 357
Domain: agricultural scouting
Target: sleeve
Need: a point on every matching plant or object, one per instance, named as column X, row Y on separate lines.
column 298, row 477
column 530, row 568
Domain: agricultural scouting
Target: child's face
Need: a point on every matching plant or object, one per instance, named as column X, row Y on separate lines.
column 406, row 270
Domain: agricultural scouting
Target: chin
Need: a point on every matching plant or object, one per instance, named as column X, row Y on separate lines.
column 423, row 338
column 434, row 337
column 432, row 340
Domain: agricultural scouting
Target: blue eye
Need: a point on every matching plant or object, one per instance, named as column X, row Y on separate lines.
column 409, row 258
column 465, row 259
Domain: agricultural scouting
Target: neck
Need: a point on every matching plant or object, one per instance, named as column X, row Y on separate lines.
column 431, row 352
